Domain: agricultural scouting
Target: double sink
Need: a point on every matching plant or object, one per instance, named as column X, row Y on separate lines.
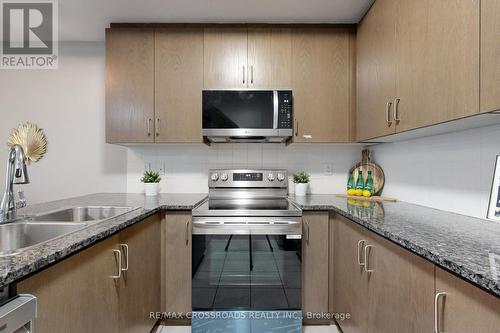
column 28, row 232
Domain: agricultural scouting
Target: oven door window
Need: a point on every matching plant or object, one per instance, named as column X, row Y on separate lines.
column 246, row 272
column 238, row 109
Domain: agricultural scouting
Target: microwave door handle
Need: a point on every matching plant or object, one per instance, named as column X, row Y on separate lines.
column 275, row 109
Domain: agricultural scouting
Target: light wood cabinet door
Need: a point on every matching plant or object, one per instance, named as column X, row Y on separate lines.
column 176, row 262
column 321, row 83
column 78, row 294
column 178, row 84
column 376, row 71
column 269, row 58
column 225, row 58
column 437, row 48
column 315, row 250
column 490, row 53
column 350, row 294
column 129, row 85
column 465, row 308
column 400, row 289
column 140, row 283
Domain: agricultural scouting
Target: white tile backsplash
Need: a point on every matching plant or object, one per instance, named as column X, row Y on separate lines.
column 451, row 172
column 187, row 165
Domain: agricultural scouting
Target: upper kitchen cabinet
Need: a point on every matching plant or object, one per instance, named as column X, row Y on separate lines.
column 490, row 53
column 418, row 65
column 225, row 58
column 269, row 58
column 376, row 40
column 129, row 85
column 178, row 84
column 322, row 83
column 241, row 58
column 437, row 62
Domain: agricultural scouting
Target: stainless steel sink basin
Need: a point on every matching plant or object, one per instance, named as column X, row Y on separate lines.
column 83, row 214
column 18, row 236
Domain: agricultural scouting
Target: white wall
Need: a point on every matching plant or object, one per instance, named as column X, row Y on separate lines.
column 452, row 172
column 68, row 103
column 187, row 165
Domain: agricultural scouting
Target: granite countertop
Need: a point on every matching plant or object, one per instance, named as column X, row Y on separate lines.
column 467, row 246
column 15, row 267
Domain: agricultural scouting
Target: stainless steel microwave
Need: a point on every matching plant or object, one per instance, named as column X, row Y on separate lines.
column 247, row 115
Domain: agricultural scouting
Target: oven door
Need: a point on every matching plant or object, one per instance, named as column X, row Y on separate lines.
column 240, row 113
column 237, row 265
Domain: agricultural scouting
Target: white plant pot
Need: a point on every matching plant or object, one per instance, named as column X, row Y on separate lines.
column 301, row 189
column 151, row 189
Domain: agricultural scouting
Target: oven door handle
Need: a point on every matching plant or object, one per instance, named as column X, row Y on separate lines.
column 218, row 223
column 247, row 227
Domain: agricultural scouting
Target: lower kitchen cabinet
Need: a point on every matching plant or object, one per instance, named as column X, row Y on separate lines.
column 462, row 307
column 176, row 262
column 315, row 252
column 350, row 283
column 400, row 288
column 110, row 287
column 140, row 283
column 383, row 287
column 78, row 294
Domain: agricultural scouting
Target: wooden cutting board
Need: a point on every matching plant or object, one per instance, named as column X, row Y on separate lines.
column 372, row 198
column 377, row 172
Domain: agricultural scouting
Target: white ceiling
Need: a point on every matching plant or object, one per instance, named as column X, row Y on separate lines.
column 85, row 20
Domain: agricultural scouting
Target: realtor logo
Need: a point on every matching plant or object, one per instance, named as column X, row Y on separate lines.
column 29, row 34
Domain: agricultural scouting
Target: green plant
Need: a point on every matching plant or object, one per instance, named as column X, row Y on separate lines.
column 301, row 178
column 151, row 176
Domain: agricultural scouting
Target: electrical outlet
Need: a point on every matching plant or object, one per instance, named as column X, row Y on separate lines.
column 328, row 169
column 161, row 168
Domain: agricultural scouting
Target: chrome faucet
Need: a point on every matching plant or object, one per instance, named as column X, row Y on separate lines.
column 16, row 173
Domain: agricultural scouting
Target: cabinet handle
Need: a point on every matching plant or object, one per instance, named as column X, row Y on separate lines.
column 251, row 73
column 149, row 126
column 396, row 110
column 296, row 127
column 388, row 113
column 307, row 136
column 119, row 275
column 187, row 232
column 436, row 311
column 157, row 127
column 361, row 244
column 367, row 270
column 243, row 74
column 308, row 232
column 125, row 255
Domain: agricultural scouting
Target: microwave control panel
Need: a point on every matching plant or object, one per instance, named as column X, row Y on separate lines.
column 285, row 107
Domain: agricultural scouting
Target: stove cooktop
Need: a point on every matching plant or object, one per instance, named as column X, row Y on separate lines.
column 247, row 207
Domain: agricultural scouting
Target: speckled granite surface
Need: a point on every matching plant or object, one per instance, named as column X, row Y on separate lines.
column 467, row 246
column 17, row 266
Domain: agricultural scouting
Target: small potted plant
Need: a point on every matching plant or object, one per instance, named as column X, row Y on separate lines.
column 151, row 180
column 301, row 181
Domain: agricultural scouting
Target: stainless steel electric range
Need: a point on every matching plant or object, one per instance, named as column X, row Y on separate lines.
column 247, row 257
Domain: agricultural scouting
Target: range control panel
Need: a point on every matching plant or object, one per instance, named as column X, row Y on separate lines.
column 248, row 178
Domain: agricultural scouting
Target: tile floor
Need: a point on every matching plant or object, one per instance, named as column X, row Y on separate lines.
column 307, row 329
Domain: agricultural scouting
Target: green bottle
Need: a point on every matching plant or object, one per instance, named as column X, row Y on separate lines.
column 369, row 183
column 360, row 184
column 350, row 184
